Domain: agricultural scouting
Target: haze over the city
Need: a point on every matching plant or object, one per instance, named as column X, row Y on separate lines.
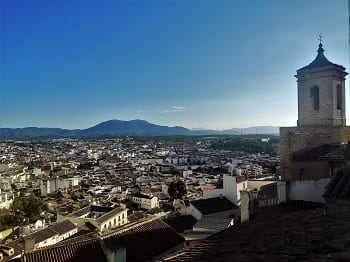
column 210, row 64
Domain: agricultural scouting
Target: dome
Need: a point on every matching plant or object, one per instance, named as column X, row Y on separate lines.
column 320, row 61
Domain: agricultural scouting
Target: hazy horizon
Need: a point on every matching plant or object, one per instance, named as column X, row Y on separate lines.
column 191, row 128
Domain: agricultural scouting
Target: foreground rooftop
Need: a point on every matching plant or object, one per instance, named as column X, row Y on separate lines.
column 306, row 235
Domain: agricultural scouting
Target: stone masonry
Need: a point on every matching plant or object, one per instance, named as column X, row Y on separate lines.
column 321, row 111
column 294, row 139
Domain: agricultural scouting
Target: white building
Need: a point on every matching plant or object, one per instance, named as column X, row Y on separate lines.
column 187, row 173
column 100, row 217
column 145, row 201
column 50, row 185
column 52, row 235
column 232, row 185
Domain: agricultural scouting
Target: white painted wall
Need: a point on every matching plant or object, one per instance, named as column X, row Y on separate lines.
column 240, row 186
column 67, row 234
column 146, row 203
column 187, row 173
column 191, row 210
column 47, row 242
column 230, row 188
column 245, row 206
column 281, row 191
column 307, row 190
column 115, row 221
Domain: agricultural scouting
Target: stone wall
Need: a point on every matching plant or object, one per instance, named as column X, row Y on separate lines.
column 293, row 139
column 328, row 113
column 317, row 169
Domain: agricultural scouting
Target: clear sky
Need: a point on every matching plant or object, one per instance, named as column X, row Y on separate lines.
column 211, row 64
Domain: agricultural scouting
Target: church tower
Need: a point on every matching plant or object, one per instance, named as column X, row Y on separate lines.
column 321, row 114
column 321, row 93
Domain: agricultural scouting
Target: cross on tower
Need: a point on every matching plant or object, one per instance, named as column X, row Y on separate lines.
column 320, row 38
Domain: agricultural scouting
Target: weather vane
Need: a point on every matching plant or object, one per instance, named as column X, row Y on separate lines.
column 320, row 38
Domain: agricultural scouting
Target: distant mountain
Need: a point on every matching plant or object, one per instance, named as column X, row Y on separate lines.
column 133, row 128
column 36, row 132
column 130, row 128
column 271, row 130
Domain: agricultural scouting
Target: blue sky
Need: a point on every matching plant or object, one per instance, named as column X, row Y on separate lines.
column 212, row 64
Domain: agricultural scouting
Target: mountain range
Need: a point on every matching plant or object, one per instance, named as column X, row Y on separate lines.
column 128, row 128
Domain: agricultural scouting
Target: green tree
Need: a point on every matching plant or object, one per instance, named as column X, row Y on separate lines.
column 8, row 221
column 177, row 189
column 14, row 187
column 29, row 207
column 17, row 205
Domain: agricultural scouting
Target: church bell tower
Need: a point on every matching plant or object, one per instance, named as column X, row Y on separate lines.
column 321, row 93
column 321, row 114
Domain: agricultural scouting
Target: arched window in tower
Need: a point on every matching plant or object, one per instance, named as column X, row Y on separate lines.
column 339, row 97
column 315, row 96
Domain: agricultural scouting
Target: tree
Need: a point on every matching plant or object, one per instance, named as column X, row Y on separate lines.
column 9, row 220
column 14, row 187
column 177, row 189
column 29, row 207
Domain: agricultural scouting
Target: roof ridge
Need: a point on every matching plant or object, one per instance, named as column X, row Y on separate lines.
column 80, row 243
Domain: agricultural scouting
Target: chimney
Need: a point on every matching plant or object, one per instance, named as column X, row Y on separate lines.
column 29, row 243
column 7, row 250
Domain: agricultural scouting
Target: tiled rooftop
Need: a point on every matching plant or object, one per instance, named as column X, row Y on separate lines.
column 297, row 236
column 84, row 251
column 324, row 152
column 181, row 223
column 109, row 215
column 339, row 186
column 213, row 205
column 142, row 242
column 146, row 241
column 63, row 227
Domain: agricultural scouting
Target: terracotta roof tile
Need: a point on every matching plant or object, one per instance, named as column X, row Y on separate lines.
column 142, row 242
column 339, row 186
column 85, row 251
column 297, row 236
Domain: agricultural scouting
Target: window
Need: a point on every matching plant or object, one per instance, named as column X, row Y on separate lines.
column 339, row 97
column 315, row 96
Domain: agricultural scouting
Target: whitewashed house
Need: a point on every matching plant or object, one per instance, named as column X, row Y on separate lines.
column 145, row 201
